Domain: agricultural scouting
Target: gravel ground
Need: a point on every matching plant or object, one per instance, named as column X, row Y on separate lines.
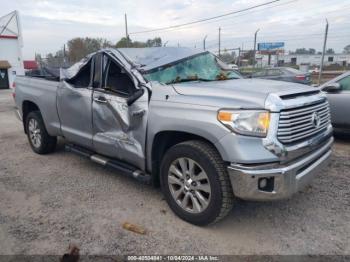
column 50, row 201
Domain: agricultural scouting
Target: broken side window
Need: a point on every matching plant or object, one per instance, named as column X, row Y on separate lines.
column 83, row 77
column 116, row 79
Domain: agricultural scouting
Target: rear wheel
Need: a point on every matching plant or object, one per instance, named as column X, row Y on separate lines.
column 195, row 183
column 40, row 141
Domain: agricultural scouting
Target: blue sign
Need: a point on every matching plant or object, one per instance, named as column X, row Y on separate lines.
column 270, row 46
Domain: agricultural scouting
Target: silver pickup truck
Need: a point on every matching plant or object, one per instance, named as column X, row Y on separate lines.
column 181, row 119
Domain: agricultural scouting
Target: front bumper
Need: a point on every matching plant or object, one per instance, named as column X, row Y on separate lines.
column 281, row 181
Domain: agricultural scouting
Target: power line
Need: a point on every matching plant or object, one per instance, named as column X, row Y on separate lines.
column 337, row 32
column 282, row 38
column 204, row 19
column 253, row 11
column 335, row 38
column 227, row 18
column 343, row 8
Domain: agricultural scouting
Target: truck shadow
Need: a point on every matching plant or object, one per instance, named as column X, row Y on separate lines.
column 251, row 219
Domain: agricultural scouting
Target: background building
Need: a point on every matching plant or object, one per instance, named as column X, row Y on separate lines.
column 303, row 59
column 315, row 60
column 11, row 43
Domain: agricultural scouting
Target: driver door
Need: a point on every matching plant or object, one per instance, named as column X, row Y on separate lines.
column 119, row 130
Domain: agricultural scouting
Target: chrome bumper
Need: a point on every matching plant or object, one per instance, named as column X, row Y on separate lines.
column 282, row 180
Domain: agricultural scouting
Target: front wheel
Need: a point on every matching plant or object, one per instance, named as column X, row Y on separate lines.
column 40, row 141
column 195, row 183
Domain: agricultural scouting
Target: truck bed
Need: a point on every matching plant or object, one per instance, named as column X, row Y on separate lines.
column 41, row 92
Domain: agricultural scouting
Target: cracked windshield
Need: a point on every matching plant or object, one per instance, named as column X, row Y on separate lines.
column 203, row 67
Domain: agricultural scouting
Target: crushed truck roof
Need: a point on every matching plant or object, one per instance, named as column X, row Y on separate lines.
column 146, row 59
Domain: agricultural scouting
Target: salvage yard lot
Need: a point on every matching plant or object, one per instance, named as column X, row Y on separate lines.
column 50, row 201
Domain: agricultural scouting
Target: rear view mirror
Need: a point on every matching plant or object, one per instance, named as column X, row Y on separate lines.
column 136, row 95
column 332, row 88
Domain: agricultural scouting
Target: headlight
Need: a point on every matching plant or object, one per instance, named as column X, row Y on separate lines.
column 246, row 122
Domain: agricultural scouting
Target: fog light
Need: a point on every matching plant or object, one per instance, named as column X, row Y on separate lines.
column 262, row 183
column 266, row 184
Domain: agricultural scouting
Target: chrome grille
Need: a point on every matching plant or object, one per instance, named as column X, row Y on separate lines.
column 301, row 123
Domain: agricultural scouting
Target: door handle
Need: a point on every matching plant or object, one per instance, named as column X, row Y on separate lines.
column 100, row 99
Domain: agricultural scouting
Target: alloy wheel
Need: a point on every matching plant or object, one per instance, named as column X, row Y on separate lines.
column 189, row 185
column 34, row 133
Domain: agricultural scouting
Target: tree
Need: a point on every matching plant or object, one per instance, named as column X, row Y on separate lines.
column 53, row 60
column 304, row 51
column 38, row 58
column 155, row 42
column 301, row 51
column 330, row 51
column 346, row 49
column 123, row 42
column 312, row 51
column 80, row 47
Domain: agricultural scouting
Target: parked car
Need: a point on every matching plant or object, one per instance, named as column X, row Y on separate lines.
column 315, row 70
column 338, row 94
column 287, row 74
column 177, row 117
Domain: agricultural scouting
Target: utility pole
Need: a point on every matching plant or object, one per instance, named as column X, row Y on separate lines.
column 239, row 57
column 205, row 38
column 254, row 60
column 219, row 41
column 64, row 55
column 324, row 50
column 126, row 31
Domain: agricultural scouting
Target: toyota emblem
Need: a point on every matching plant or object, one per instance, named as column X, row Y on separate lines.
column 316, row 120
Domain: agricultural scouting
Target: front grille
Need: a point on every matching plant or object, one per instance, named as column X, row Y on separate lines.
column 300, row 123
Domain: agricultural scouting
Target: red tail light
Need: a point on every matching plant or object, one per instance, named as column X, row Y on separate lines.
column 300, row 77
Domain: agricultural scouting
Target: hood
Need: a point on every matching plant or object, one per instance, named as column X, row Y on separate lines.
column 242, row 93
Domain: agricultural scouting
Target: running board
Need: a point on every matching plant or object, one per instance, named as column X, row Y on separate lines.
column 125, row 168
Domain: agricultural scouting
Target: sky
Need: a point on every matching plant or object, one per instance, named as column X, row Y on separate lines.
column 48, row 25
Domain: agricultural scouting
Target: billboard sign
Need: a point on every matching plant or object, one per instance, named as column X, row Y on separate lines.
column 270, row 46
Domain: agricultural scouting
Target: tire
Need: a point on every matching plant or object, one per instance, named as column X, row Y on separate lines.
column 40, row 141
column 212, row 197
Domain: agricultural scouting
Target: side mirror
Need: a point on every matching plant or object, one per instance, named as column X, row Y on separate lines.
column 131, row 99
column 332, row 88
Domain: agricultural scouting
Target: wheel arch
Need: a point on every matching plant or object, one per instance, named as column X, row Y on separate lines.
column 166, row 139
column 27, row 107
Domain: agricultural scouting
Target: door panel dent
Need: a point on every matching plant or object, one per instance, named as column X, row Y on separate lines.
column 74, row 110
column 119, row 130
